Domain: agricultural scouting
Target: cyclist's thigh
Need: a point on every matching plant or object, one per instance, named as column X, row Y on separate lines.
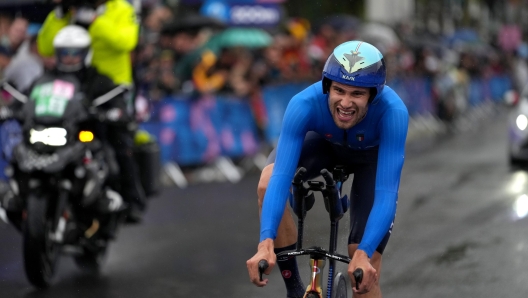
column 317, row 153
column 362, row 198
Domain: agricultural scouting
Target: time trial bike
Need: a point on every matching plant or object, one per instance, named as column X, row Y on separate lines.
column 336, row 205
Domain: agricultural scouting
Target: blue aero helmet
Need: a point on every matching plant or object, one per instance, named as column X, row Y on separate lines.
column 355, row 63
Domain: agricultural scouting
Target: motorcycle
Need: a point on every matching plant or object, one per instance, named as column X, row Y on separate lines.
column 60, row 196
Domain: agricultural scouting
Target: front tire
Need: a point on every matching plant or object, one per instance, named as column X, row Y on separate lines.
column 339, row 289
column 40, row 252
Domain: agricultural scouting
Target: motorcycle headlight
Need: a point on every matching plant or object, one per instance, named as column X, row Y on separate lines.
column 51, row 136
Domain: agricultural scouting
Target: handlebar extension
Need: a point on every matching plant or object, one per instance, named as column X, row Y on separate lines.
column 332, row 197
column 297, row 179
column 327, row 176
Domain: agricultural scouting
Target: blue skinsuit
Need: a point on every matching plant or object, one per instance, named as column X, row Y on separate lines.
column 384, row 126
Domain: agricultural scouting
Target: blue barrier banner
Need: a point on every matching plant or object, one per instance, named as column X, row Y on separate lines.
column 198, row 131
column 477, row 92
column 498, row 85
column 276, row 99
column 10, row 136
column 416, row 93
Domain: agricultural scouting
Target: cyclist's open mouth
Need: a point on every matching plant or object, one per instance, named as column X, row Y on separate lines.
column 345, row 116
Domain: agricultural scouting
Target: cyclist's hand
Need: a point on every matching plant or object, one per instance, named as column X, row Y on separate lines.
column 370, row 276
column 265, row 252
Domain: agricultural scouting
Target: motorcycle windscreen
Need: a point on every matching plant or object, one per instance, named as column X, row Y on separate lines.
column 51, row 98
column 54, row 100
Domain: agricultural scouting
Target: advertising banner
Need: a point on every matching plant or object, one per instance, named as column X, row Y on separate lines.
column 243, row 13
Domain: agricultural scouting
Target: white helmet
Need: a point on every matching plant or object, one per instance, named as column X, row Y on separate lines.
column 72, row 48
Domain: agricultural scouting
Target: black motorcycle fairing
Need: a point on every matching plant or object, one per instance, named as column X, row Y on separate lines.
column 28, row 160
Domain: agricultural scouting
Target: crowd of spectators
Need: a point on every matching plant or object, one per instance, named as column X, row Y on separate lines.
column 173, row 58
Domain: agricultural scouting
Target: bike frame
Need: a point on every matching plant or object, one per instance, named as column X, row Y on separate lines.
column 336, row 207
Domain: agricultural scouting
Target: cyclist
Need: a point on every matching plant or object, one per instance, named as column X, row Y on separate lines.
column 349, row 118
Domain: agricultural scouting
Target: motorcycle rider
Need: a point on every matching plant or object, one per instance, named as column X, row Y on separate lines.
column 114, row 31
column 72, row 47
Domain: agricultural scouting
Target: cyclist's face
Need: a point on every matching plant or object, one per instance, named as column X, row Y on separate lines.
column 348, row 104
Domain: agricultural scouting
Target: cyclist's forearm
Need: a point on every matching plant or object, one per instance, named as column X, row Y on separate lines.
column 273, row 205
column 294, row 127
column 391, row 157
column 379, row 221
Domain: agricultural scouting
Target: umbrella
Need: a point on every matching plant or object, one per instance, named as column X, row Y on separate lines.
column 463, row 36
column 231, row 37
column 381, row 36
column 240, row 37
column 342, row 22
column 420, row 41
column 468, row 40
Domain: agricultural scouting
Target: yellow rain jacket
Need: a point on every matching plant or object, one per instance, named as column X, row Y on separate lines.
column 114, row 35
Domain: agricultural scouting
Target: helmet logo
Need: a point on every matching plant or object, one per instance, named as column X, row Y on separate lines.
column 353, row 58
column 350, row 78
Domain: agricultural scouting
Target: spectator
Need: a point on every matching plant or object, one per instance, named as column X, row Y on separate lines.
column 295, row 62
column 26, row 66
column 322, row 44
column 156, row 18
column 10, row 42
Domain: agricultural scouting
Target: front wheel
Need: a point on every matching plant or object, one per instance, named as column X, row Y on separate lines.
column 313, row 295
column 339, row 287
column 40, row 252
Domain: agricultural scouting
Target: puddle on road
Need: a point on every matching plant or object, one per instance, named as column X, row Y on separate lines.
column 420, row 201
column 454, row 253
column 517, row 187
column 518, row 183
column 520, row 206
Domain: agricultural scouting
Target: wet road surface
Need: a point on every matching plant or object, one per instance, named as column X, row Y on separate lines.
column 460, row 232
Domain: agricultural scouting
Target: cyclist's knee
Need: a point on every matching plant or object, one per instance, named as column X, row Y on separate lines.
column 263, row 183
